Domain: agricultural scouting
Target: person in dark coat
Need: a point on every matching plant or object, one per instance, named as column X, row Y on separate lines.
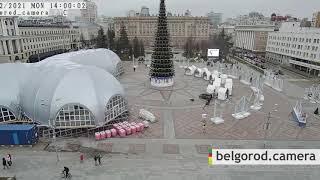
column 95, row 159
column 99, row 159
column 4, row 163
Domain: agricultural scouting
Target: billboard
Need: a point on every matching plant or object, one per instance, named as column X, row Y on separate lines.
column 213, row 52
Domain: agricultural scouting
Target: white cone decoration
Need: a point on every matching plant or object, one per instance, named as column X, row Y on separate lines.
column 217, row 119
column 257, row 105
column 241, row 109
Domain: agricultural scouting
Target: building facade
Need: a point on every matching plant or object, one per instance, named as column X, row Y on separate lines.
column 316, row 20
column 20, row 41
column 89, row 14
column 180, row 28
column 11, row 45
column 296, row 46
column 106, row 23
column 252, row 37
column 215, row 19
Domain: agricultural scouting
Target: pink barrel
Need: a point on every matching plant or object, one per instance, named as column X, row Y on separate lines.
column 122, row 133
column 133, row 129
column 115, row 125
column 138, row 128
column 128, row 130
column 119, row 129
column 133, row 123
column 113, row 132
column 125, row 122
column 97, row 135
column 108, row 133
column 103, row 135
column 141, row 126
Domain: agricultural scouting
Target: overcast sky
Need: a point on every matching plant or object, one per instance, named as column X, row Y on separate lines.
column 229, row 8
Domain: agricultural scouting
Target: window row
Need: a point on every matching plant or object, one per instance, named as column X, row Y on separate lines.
column 302, row 40
column 46, row 32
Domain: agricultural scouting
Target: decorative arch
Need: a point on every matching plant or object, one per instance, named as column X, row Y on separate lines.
column 116, row 106
column 6, row 114
column 74, row 116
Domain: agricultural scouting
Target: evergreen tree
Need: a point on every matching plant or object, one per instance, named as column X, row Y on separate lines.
column 162, row 65
column 136, row 47
column 111, row 36
column 101, row 39
column 222, row 42
column 124, row 49
column 82, row 41
column 188, row 48
column 142, row 53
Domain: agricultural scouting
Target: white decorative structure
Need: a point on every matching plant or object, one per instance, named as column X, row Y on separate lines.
column 206, row 74
column 229, row 85
column 273, row 81
column 146, row 115
column 162, row 82
column 307, row 93
column 257, row 105
column 245, row 75
column 234, row 73
column 211, row 89
column 223, row 78
column 278, row 84
column 299, row 115
column 215, row 73
column 241, row 109
column 222, row 94
column 198, row 72
column 190, row 70
column 216, row 119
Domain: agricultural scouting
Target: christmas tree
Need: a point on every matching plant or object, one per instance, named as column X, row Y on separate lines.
column 161, row 65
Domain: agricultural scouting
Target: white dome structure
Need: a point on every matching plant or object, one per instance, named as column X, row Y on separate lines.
column 61, row 93
column 102, row 58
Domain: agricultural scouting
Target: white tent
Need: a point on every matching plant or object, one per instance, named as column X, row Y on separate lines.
column 216, row 73
column 229, row 85
column 190, row 70
column 223, row 78
column 199, row 72
column 213, row 77
column 210, row 89
column 222, row 93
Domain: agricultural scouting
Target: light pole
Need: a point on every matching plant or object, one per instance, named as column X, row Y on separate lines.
column 267, row 125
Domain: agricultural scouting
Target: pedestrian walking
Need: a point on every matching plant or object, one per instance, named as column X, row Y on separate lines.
column 81, row 158
column 9, row 160
column 99, row 159
column 4, row 163
column 95, row 159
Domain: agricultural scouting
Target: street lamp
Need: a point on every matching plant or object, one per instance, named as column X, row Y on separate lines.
column 267, row 126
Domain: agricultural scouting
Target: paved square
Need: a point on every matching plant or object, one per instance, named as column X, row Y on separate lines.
column 137, row 148
column 179, row 117
column 171, row 148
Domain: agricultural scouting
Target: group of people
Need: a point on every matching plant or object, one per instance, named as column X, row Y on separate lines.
column 7, row 161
